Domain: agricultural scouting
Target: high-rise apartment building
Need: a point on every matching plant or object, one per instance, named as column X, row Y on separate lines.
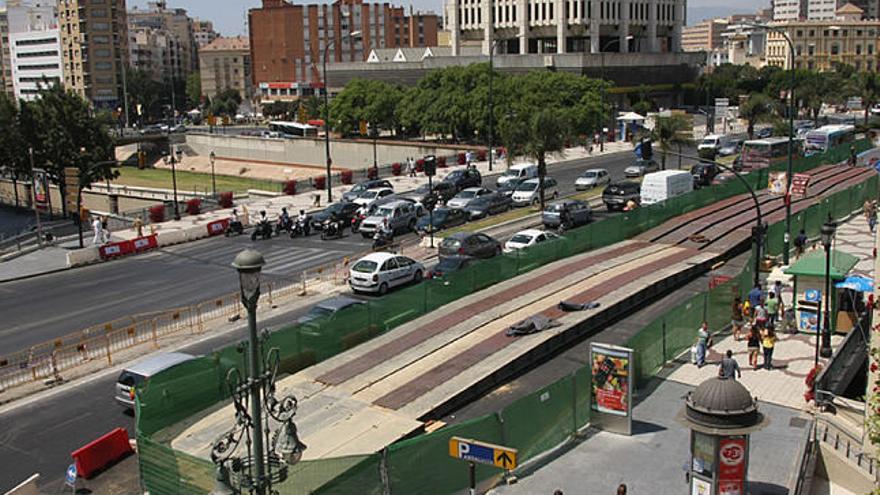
column 225, row 63
column 174, row 26
column 288, row 41
column 567, row 26
column 94, row 48
column 34, row 43
column 156, row 52
column 5, row 60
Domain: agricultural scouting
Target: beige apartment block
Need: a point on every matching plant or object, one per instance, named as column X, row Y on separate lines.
column 225, row 63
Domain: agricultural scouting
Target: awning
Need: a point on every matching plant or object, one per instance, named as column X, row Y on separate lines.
column 630, row 116
column 856, row 283
column 813, row 264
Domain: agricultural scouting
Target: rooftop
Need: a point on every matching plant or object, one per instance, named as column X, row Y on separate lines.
column 227, row 44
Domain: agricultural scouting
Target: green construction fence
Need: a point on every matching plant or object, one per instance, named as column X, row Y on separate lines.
column 192, row 387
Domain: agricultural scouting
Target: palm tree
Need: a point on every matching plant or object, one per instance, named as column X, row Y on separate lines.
column 758, row 108
column 673, row 130
column 866, row 85
column 547, row 132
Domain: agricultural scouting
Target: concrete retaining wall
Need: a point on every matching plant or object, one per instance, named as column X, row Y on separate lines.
column 92, row 201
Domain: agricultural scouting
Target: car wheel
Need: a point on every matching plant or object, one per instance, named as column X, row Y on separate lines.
column 535, row 202
column 412, row 225
column 383, row 289
column 417, row 276
column 498, row 251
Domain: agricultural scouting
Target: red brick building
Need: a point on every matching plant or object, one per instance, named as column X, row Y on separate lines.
column 288, row 41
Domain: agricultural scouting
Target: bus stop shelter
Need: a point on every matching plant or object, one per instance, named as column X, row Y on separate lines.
column 809, row 285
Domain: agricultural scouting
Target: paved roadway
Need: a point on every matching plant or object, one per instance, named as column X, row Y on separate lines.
column 40, row 309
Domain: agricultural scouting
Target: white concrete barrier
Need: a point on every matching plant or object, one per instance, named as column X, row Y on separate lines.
column 196, row 232
column 84, row 256
column 171, row 237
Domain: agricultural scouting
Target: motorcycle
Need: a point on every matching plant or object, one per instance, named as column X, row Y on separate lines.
column 263, row 229
column 356, row 223
column 382, row 240
column 283, row 224
column 234, row 228
column 300, row 227
column 331, row 230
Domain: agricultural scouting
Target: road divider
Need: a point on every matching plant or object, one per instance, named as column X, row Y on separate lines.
column 218, row 227
column 102, row 453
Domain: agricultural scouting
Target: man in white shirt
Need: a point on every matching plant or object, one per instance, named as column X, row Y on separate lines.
column 99, row 231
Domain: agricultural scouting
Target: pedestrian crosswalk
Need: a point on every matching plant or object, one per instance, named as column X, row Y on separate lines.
column 283, row 258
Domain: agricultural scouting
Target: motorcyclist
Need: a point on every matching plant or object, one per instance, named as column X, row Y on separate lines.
column 235, row 225
column 263, row 221
column 302, row 222
column 383, row 235
column 302, row 217
column 283, row 220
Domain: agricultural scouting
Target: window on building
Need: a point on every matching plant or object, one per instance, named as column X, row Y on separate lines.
column 99, row 13
column 870, row 48
column 100, row 26
column 845, row 33
column 798, row 50
column 835, row 49
column 858, row 49
column 812, row 33
column 826, row 33
column 799, row 33
column 858, row 32
column 811, row 65
column 103, row 65
column 811, row 50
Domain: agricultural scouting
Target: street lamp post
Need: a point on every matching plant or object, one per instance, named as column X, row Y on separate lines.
column 355, row 35
column 786, row 238
column 259, row 469
column 602, row 89
column 213, row 177
column 173, row 160
column 828, row 229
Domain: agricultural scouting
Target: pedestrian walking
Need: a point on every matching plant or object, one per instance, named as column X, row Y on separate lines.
column 800, row 244
column 138, row 226
column 105, row 227
column 410, row 167
column 772, row 307
column 99, row 231
column 768, row 342
column 777, row 289
column 755, row 295
column 754, row 346
column 729, row 368
column 736, row 317
column 872, row 217
column 760, row 313
column 704, row 341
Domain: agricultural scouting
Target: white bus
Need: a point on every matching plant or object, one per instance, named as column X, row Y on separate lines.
column 293, row 129
column 828, row 136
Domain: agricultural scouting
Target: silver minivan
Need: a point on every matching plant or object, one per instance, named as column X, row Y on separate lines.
column 141, row 372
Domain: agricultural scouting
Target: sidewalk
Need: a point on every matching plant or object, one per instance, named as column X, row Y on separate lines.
column 53, row 259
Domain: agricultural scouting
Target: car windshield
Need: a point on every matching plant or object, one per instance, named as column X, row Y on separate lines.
column 527, row 186
column 318, row 312
column 510, row 173
column 369, row 194
column 385, row 212
column 335, row 208
column 590, row 174
column 359, row 187
column 450, row 243
column 555, row 209
column 483, row 201
column 423, row 189
column 364, row 266
column 521, row 239
column 467, row 194
column 709, row 141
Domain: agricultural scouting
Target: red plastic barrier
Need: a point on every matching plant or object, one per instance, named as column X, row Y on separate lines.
column 145, row 243
column 114, row 249
column 101, row 453
column 217, row 227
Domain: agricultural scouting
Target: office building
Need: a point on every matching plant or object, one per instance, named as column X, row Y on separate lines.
column 704, row 36
column 288, row 41
column 34, row 47
column 566, row 26
column 225, row 63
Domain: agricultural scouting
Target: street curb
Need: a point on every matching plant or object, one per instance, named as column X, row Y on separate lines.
column 34, row 275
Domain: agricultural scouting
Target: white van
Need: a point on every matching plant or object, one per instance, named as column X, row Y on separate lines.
column 520, row 172
column 660, row 186
column 713, row 142
column 142, row 371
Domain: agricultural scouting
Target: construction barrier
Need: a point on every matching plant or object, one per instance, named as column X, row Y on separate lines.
column 218, row 227
column 141, row 244
column 101, row 453
column 115, row 249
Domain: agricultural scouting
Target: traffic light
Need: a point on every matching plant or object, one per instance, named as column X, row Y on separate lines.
column 430, row 165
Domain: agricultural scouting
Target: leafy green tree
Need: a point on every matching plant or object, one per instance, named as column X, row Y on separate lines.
column 226, row 102
column 313, row 107
column 194, row 90
column 548, row 131
column 756, row 109
column 867, row 86
column 284, row 110
column 12, row 156
column 144, row 94
column 60, row 128
column 364, row 100
column 674, row 130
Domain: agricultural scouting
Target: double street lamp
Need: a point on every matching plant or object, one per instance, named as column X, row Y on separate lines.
column 351, row 35
column 256, row 470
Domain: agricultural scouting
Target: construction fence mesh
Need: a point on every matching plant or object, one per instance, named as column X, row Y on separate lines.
column 532, row 424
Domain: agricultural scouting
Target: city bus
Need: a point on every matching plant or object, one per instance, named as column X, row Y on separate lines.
column 293, row 129
column 828, row 136
column 760, row 153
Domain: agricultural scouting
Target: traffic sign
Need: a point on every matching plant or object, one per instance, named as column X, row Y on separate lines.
column 484, row 453
column 70, row 475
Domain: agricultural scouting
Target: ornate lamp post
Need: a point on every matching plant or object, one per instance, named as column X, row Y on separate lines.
column 352, row 35
column 828, row 229
column 213, row 157
column 255, row 470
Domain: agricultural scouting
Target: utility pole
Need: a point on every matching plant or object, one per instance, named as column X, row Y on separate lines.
column 34, row 198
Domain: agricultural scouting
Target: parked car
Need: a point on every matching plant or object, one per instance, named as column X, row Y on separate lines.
column 764, row 133
column 423, row 195
column 489, row 204
column 464, row 178
column 641, row 167
column 618, row 194
column 732, row 148
column 463, row 198
column 443, row 218
column 518, row 172
column 591, row 178
column 367, row 197
column 343, row 211
column 527, row 193
column 474, row 244
column 526, row 238
column 328, row 309
column 509, row 187
column 360, row 187
column 450, row 264
column 574, row 212
column 703, row 174
column 400, row 216
column 710, row 145
column 141, row 372
column 378, row 272
column 666, row 184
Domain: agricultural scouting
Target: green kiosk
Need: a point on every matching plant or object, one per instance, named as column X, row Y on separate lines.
column 809, row 285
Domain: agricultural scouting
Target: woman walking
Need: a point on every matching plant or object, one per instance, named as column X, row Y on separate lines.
column 754, row 347
column 736, row 317
column 768, row 342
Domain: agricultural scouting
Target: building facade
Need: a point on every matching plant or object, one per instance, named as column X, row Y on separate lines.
column 94, row 48
column 567, row 26
column 820, row 44
column 174, row 28
column 820, row 10
column 5, row 60
column 225, row 63
column 203, row 32
column 156, row 52
column 288, row 41
column 34, row 46
column 704, row 36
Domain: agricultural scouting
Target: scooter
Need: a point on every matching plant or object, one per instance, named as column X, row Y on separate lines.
column 300, row 227
column 382, row 240
column 331, row 230
column 283, row 224
column 263, row 230
column 234, row 228
column 356, row 223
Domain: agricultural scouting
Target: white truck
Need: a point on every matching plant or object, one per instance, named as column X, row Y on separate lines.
column 665, row 184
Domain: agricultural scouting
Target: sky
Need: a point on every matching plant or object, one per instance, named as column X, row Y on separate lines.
column 230, row 19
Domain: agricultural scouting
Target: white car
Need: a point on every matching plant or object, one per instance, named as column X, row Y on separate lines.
column 526, row 238
column 378, row 272
column 640, row 168
column 591, row 178
column 462, row 199
column 370, row 196
column 527, row 193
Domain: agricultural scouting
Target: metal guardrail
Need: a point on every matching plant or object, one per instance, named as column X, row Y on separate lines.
column 802, row 483
column 850, row 447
